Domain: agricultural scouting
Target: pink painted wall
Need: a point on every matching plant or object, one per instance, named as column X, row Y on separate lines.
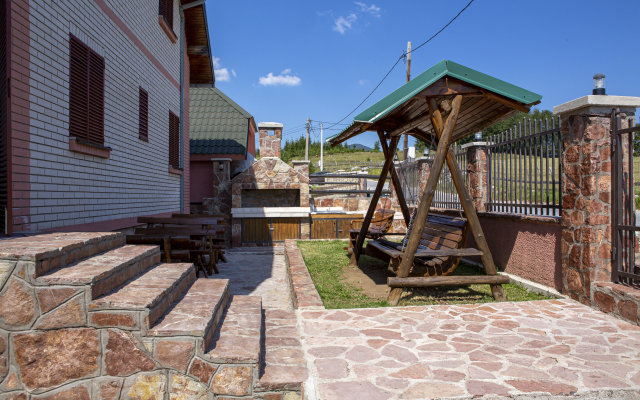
column 201, row 180
column 525, row 246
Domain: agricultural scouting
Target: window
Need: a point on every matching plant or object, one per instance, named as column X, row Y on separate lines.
column 143, row 114
column 86, row 93
column 174, row 140
column 166, row 10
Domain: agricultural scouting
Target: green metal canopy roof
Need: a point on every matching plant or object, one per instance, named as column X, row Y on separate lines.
column 445, row 68
column 218, row 125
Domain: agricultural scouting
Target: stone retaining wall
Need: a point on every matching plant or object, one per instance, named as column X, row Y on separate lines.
column 617, row 299
column 304, row 293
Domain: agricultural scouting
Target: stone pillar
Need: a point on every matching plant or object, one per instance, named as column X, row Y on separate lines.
column 302, row 167
column 477, row 182
column 220, row 202
column 586, row 191
column 270, row 145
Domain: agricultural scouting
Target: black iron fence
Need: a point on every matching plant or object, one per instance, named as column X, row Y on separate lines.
column 410, row 178
column 446, row 195
column 524, row 169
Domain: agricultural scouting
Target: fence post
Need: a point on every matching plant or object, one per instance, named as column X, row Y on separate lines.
column 586, row 195
column 478, row 181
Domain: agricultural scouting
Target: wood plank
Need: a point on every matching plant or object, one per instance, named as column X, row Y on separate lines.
column 179, row 231
column 449, row 253
column 468, row 207
column 343, row 225
column 427, row 198
column 256, row 230
column 182, row 221
column 336, row 216
column 323, row 229
column 507, row 102
column 285, row 228
column 443, row 220
column 444, row 228
column 432, row 281
column 393, row 253
column 376, row 196
column 156, row 239
column 438, row 233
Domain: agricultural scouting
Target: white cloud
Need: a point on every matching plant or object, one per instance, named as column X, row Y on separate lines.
column 286, row 71
column 283, row 79
column 222, row 74
column 343, row 24
column 233, row 72
column 372, row 9
column 363, row 81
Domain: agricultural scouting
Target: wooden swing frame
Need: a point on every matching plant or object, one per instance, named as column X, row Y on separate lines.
column 444, row 95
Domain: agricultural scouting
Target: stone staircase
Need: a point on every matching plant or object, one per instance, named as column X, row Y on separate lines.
column 82, row 315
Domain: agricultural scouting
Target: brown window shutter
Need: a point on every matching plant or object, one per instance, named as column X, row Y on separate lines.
column 174, row 140
column 143, row 113
column 96, row 98
column 86, row 93
column 166, row 10
column 78, row 93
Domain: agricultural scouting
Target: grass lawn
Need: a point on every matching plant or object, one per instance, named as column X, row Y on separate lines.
column 328, row 263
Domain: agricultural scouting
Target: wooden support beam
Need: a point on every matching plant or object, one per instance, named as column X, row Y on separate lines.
column 507, row 102
column 467, row 206
column 396, row 184
column 431, row 281
column 449, row 86
column 409, row 125
column 198, row 50
column 427, row 199
column 362, row 129
column 393, row 145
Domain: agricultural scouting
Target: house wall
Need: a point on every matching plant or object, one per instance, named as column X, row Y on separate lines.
column 57, row 187
column 201, row 180
column 251, row 140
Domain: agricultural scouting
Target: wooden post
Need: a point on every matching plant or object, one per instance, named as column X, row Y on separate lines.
column 396, row 184
column 374, row 200
column 467, row 206
column 426, row 200
column 405, row 147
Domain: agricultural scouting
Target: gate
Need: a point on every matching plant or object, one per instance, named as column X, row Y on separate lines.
column 623, row 219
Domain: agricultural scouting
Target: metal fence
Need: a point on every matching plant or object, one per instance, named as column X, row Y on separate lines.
column 523, row 169
column 446, row 195
column 410, row 178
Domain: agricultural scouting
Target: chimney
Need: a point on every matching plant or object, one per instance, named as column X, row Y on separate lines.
column 270, row 145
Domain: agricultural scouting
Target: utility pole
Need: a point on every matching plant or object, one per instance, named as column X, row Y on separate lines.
column 321, row 148
column 405, row 147
column 306, row 147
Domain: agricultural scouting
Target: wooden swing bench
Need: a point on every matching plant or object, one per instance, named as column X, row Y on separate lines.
column 439, row 252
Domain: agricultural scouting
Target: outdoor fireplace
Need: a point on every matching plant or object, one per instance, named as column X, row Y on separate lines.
column 270, row 200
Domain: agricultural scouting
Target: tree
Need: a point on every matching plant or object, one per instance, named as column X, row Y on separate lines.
column 376, row 146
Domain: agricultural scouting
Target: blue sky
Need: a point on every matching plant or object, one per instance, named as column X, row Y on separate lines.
column 284, row 61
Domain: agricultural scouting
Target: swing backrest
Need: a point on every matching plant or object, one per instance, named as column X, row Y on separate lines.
column 443, row 231
column 382, row 220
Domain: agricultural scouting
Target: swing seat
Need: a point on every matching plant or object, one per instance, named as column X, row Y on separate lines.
column 380, row 225
column 440, row 250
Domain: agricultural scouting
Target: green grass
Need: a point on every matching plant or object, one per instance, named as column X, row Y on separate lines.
column 327, row 262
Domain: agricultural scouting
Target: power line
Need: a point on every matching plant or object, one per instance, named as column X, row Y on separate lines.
column 402, row 57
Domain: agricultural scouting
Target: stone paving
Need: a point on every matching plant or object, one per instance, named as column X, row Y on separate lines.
column 539, row 349
column 258, row 273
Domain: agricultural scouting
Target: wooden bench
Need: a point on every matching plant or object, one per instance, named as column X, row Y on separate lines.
column 439, row 252
column 203, row 234
column 381, row 223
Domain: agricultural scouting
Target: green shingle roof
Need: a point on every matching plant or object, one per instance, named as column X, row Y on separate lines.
column 218, row 125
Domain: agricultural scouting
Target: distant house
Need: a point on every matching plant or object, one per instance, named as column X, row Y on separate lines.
column 94, row 127
column 220, row 130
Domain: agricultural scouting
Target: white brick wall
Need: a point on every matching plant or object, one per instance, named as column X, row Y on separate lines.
column 69, row 188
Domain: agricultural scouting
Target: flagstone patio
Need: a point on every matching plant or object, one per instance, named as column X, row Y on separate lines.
column 521, row 350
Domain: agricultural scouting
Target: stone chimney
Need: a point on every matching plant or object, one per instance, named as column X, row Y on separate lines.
column 270, row 145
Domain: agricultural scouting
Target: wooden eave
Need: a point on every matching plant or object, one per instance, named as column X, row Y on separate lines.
column 198, row 45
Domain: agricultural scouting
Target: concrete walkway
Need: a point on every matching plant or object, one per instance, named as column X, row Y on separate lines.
column 258, row 272
column 539, row 349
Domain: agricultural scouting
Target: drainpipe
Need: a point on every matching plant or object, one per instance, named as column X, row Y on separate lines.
column 182, row 51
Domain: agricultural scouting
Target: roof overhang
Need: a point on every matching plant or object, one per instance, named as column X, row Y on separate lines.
column 486, row 100
column 198, row 45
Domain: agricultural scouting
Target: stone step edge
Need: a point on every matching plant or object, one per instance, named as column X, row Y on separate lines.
column 202, row 343
column 53, row 260
column 254, row 360
column 151, row 313
column 121, row 273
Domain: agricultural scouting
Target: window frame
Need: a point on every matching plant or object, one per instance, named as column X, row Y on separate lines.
column 143, row 114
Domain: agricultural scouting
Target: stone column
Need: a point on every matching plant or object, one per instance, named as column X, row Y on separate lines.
column 270, row 145
column 477, row 182
column 586, row 191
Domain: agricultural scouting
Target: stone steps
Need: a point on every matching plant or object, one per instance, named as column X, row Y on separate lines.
column 196, row 313
column 150, row 293
column 106, row 271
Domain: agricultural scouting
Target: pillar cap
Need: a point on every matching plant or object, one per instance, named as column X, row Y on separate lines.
column 300, row 161
column 474, row 144
column 594, row 104
column 270, row 125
